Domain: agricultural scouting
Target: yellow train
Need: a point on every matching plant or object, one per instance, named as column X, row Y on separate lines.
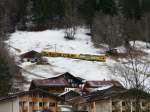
column 75, row 56
column 92, row 57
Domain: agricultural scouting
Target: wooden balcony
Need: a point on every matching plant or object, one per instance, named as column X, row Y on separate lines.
column 24, row 98
column 124, row 108
column 35, row 99
column 35, row 108
column 45, row 107
column 23, row 109
column 46, row 100
column 40, row 108
column 40, row 99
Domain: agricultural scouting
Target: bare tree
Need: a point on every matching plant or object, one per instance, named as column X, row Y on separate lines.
column 27, row 21
column 107, row 30
column 8, row 68
column 70, row 19
column 134, row 73
column 117, row 29
column 132, row 31
column 5, row 23
column 145, row 29
column 70, row 28
column 11, row 77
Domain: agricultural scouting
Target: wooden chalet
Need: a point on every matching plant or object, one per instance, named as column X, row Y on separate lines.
column 113, row 99
column 59, row 84
column 95, row 85
column 35, row 100
column 31, row 56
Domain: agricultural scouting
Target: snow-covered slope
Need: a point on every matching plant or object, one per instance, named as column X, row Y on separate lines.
column 53, row 40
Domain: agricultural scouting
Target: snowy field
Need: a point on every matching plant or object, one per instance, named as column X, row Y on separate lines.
column 53, row 40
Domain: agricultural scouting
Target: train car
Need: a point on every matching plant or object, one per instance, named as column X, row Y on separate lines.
column 93, row 57
column 75, row 56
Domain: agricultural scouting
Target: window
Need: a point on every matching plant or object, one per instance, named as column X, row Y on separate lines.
column 143, row 104
column 45, row 103
column 45, row 96
column 133, row 104
column 92, row 106
column 66, row 89
column 70, row 80
column 30, row 95
column 40, row 96
column 31, row 103
column 75, row 85
column 40, row 104
column 113, row 103
column 51, row 104
column 35, row 95
column 123, row 103
column 80, row 85
column 84, row 108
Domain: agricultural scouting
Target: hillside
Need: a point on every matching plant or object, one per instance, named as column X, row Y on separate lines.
column 53, row 40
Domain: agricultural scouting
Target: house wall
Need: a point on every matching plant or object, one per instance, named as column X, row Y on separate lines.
column 114, row 105
column 9, row 106
column 105, row 106
column 56, row 89
column 84, row 107
column 36, row 102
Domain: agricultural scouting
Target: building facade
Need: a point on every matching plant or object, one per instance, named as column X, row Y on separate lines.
column 30, row 101
column 116, row 99
column 59, row 84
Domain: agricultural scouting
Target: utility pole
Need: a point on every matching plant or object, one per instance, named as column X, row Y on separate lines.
column 55, row 47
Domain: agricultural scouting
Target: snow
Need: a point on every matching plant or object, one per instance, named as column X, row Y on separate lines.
column 85, row 69
column 64, row 93
column 65, row 108
column 141, row 46
column 103, row 88
column 121, row 49
column 53, row 40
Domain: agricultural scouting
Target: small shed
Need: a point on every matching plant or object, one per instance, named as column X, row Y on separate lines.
column 31, row 56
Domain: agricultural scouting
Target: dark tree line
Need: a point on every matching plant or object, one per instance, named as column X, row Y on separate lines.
column 10, row 14
column 48, row 13
column 11, row 79
column 122, row 21
column 11, row 11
